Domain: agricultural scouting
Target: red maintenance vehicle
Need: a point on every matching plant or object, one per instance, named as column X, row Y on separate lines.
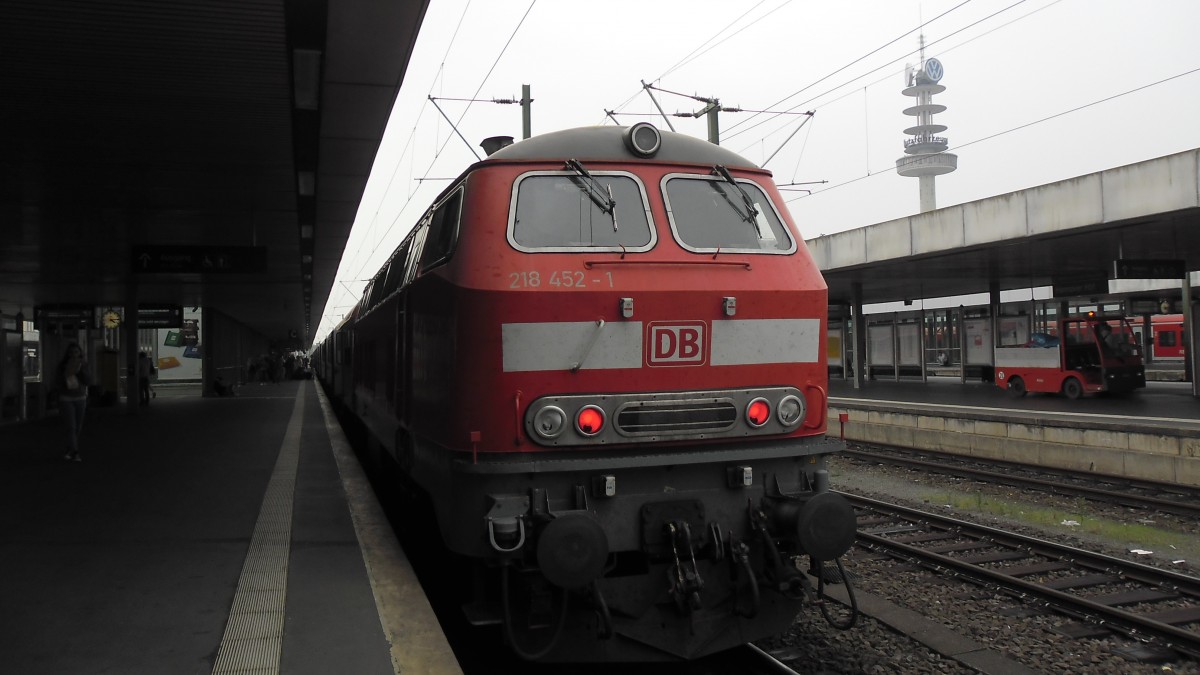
column 1091, row 354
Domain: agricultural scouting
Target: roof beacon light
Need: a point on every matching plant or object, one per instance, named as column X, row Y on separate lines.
column 758, row 412
column 643, row 139
column 589, row 421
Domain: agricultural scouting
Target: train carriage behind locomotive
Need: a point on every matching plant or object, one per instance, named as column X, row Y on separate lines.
column 600, row 352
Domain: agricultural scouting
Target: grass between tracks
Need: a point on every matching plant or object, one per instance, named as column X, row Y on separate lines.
column 1133, row 534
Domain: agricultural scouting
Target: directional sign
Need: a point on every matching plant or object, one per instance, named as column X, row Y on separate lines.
column 1141, row 306
column 160, row 316
column 198, row 259
column 67, row 316
column 1126, row 268
column 1094, row 284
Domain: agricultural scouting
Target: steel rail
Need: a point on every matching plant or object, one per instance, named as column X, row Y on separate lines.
column 766, row 664
column 1116, row 619
column 1180, row 508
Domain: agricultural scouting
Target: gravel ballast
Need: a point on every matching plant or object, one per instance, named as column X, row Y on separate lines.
column 1014, row 637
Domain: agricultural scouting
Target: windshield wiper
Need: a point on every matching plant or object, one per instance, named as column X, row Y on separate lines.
column 600, row 194
column 752, row 213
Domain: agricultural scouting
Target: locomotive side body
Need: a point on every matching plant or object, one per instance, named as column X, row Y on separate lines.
column 608, row 377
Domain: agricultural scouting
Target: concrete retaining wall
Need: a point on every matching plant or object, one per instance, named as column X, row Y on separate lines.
column 1157, row 454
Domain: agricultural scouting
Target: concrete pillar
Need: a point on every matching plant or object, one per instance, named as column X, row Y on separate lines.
column 921, row 352
column 208, row 372
column 960, row 322
column 129, row 336
column 9, row 373
column 1191, row 344
column 22, row 394
column 895, row 346
column 1147, row 340
column 860, row 334
column 928, row 193
column 994, row 315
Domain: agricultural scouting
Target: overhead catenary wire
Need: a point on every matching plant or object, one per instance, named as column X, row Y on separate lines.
column 889, row 63
column 1017, row 128
column 893, row 73
column 437, row 155
column 855, row 61
column 693, row 54
column 366, row 236
column 780, row 125
column 412, row 134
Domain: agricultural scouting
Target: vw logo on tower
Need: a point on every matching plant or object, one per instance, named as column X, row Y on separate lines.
column 933, row 70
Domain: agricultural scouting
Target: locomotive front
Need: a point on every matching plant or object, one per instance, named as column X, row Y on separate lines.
column 628, row 422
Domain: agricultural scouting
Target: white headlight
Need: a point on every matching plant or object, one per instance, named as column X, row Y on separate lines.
column 791, row 410
column 549, row 422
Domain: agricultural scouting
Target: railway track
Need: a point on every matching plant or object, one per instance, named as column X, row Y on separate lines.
column 1104, row 594
column 1180, row 500
column 746, row 660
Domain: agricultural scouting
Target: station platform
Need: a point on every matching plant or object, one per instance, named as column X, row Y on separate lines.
column 1152, row 433
column 204, row 535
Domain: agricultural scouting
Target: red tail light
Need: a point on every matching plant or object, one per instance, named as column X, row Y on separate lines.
column 589, row 421
column 758, row 412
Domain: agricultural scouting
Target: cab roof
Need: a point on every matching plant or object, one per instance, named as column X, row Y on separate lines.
column 606, row 143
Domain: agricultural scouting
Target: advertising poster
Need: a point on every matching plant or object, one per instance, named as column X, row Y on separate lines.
column 833, row 348
column 978, row 345
column 879, row 345
column 179, row 350
column 1014, row 331
column 910, row 343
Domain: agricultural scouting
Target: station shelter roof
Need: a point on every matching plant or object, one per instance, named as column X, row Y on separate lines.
column 191, row 152
column 1069, row 235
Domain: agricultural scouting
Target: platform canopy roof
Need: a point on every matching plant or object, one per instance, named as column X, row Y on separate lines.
column 1089, row 237
column 191, row 152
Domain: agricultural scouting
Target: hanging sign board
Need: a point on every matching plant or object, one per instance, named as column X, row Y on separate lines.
column 160, row 316
column 1095, row 284
column 67, row 316
column 198, row 259
column 1127, row 268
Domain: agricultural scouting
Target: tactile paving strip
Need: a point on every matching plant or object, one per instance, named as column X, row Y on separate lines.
column 253, row 637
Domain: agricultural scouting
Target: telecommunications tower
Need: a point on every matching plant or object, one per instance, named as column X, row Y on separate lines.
column 925, row 153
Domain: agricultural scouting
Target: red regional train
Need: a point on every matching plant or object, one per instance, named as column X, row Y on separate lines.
column 600, row 353
column 1168, row 336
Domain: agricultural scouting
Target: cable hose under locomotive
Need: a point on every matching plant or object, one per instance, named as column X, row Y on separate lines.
column 508, row 629
column 743, row 559
column 849, row 593
column 606, row 629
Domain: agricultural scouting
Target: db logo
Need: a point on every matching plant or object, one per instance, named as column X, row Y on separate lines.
column 676, row 344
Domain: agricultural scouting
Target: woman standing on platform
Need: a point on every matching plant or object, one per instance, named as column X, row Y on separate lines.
column 72, row 382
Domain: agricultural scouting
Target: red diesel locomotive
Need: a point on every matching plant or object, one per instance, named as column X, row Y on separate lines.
column 600, row 352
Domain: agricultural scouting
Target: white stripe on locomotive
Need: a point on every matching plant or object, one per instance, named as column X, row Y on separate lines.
column 560, row 345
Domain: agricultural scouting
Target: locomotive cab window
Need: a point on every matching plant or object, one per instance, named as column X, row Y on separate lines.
column 568, row 211
column 443, row 232
column 396, row 270
column 710, row 212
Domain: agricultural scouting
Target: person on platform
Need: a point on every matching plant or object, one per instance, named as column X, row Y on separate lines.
column 72, row 380
column 222, row 388
column 145, row 369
